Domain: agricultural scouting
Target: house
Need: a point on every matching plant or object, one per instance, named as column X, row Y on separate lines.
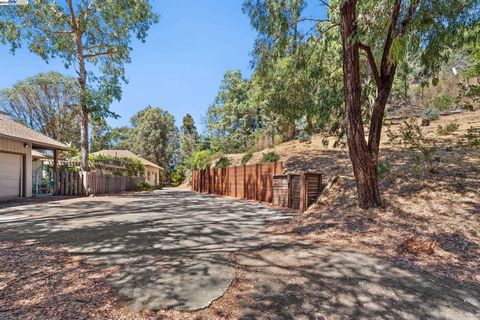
column 153, row 172
column 16, row 145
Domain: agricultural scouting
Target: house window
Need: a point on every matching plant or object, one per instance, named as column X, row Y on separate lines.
column 156, row 178
column 148, row 175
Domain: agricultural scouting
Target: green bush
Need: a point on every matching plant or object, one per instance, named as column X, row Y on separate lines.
column 199, row 160
column 383, row 169
column 178, row 175
column 269, row 157
column 447, row 129
column 143, row 186
column 134, row 166
column 430, row 114
column 304, row 136
column 472, row 138
column 411, row 136
column 246, row 157
column 443, row 102
column 222, row 162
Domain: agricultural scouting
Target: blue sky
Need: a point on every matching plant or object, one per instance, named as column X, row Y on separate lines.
column 180, row 66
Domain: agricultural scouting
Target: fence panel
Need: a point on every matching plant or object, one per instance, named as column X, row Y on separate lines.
column 86, row 183
column 246, row 182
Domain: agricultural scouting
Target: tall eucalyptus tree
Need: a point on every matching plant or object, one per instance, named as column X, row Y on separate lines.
column 93, row 36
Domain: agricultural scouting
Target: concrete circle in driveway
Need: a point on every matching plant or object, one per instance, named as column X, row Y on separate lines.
column 172, row 245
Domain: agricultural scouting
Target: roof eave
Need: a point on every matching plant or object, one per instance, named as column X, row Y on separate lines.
column 36, row 143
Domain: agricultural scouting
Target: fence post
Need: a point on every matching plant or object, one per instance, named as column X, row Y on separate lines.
column 235, row 179
column 256, row 182
column 303, row 192
column 244, row 182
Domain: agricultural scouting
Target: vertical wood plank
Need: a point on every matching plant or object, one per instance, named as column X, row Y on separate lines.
column 235, row 179
column 244, row 181
column 289, row 196
column 256, row 182
column 303, row 196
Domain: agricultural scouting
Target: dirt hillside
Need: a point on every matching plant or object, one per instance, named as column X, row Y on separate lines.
column 429, row 221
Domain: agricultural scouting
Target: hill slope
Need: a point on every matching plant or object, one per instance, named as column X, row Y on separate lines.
column 438, row 213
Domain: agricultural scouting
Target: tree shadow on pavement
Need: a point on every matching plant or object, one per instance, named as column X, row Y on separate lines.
column 306, row 281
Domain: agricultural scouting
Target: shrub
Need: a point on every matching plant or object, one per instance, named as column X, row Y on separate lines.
column 269, row 157
column 134, row 166
column 246, row 157
column 443, row 102
column 383, row 169
column 143, row 186
column 430, row 114
column 411, row 136
column 178, row 176
column 199, row 160
column 304, row 136
column 447, row 129
column 222, row 162
column 472, row 138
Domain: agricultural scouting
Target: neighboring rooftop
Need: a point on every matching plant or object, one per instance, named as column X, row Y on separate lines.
column 127, row 154
column 16, row 131
column 40, row 155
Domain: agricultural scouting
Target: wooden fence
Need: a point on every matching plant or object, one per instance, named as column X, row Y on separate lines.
column 246, row 182
column 86, row 183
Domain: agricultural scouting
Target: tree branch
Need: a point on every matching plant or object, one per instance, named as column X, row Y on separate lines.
column 385, row 66
column 408, row 18
column 87, row 11
column 325, row 3
column 371, row 61
column 96, row 54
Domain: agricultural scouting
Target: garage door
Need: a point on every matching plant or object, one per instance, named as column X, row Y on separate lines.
column 10, row 175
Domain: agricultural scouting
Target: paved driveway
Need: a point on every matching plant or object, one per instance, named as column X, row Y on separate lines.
column 172, row 245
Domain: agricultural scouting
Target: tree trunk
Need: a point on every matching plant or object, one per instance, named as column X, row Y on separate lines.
column 84, row 137
column 376, row 120
column 364, row 168
column 82, row 82
column 82, row 79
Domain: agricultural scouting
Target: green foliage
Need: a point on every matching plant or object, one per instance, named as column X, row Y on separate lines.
column 411, row 136
column 383, row 169
column 82, row 34
column 301, row 126
column 143, row 186
column 222, row 162
column 189, row 138
column 246, row 157
column 134, row 166
column 200, row 160
column 120, row 138
column 46, row 103
column 471, row 139
column 430, row 114
column 447, row 129
column 154, row 137
column 443, row 102
column 178, row 175
column 270, row 156
column 232, row 118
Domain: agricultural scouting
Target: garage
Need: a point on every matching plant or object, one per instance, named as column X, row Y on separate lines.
column 11, row 175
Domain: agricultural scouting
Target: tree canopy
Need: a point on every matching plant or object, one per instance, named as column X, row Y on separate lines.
column 93, row 37
column 47, row 103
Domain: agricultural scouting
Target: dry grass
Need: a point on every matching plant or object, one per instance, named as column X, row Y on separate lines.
column 440, row 213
